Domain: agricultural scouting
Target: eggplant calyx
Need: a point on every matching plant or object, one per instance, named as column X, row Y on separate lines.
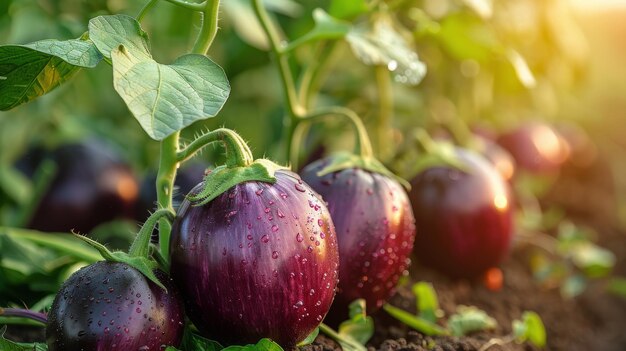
column 224, row 177
column 345, row 160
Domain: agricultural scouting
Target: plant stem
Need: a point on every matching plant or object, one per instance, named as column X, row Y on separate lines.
column 22, row 313
column 42, row 180
column 363, row 145
column 145, row 9
column 168, row 162
column 141, row 246
column 289, row 88
column 168, row 165
column 385, row 113
column 238, row 153
column 208, row 31
column 314, row 72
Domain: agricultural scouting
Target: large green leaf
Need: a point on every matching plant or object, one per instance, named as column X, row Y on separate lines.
column 109, row 32
column 163, row 98
column 32, row 70
column 380, row 43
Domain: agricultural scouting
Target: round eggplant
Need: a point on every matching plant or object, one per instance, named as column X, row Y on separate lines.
column 536, row 147
column 91, row 186
column 375, row 231
column 112, row 306
column 464, row 216
column 259, row 260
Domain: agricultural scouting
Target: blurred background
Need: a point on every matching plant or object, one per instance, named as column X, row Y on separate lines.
column 492, row 66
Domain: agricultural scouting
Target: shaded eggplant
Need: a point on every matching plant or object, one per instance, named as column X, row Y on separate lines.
column 259, row 260
column 375, row 232
column 91, row 186
column 464, row 216
column 112, row 306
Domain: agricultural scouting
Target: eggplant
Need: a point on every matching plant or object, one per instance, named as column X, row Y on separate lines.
column 464, row 216
column 260, row 260
column 112, row 306
column 375, row 231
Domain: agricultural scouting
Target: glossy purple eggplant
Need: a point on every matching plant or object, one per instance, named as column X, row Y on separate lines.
column 110, row 306
column 375, row 231
column 260, row 260
column 464, row 217
column 536, row 147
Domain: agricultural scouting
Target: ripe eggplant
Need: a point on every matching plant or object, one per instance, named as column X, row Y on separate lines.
column 464, row 216
column 375, row 231
column 112, row 306
column 260, row 260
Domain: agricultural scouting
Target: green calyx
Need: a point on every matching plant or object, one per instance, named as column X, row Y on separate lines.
column 345, row 160
column 138, row 255
column 434, row 154
column 224, row 177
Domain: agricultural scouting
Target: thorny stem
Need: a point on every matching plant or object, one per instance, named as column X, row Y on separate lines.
column 168, row 162
column 238, row 153
column 362, row 144
column 22, row 313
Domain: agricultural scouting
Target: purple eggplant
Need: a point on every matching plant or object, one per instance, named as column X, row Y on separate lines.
column 375, row 230
column 113, row 307
column 259, row 260
column 464, row 216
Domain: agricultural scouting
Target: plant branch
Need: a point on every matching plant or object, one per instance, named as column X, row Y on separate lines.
column 141, row 245
column 168, row 164
column 145, row 9
column 238, row 153
column 22, row 313
column 311, row 78
column 295, row 110
column 208, row 30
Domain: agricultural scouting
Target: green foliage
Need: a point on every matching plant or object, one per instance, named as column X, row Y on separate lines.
column 530, row 329
column 348, row 9
column 163, row 98
column 380, row 43
column 420, row 324
column 326, row 27
column 7, row 345
column 617, row 286
column 360, row 327
column 470, row 319
column 427, row 301
column 310, row 338
column 32, row 70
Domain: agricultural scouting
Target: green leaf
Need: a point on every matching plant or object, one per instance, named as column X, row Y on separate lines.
column 32, row 70
column 348, row 9
column 144, row 265
column 427, row 302
column 359, row 327
column 167, row 98
column 60, row 242
column 380, row 43
column 263, row 345
column 7, row 345
column 163, row 98
column 195, row 342
column 109, row 32
column 469, row 319
column 223, row 178
column 326, row 27
column 310, row 338
column 530, row 328
column 420, row 324
column 15, row 185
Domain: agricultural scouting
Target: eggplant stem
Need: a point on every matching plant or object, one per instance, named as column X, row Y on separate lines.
column 22, row 313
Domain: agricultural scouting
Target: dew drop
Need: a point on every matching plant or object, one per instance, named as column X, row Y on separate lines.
column 265, row 238
column 275, row 254
column 274, row 228
column 299, row 238
column 300, row 188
